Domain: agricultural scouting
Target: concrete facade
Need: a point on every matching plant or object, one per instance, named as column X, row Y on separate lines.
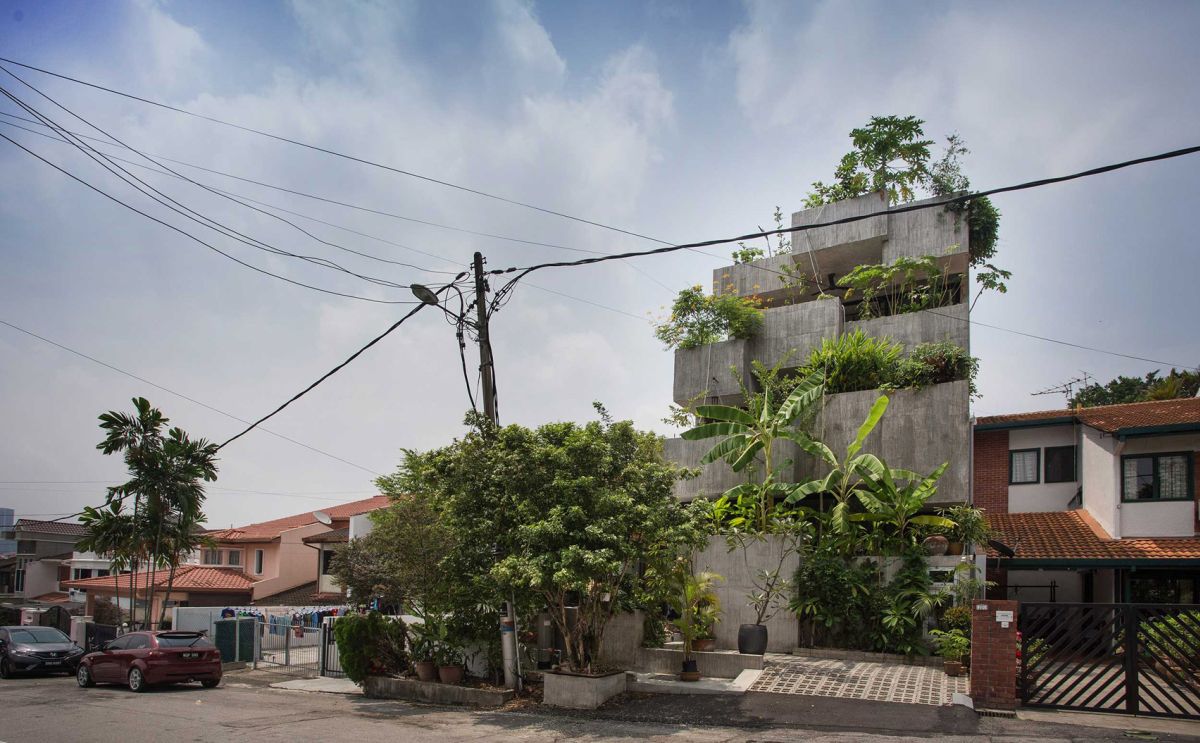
column 738, row 568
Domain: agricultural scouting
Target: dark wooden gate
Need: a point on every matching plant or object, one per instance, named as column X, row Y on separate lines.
column 1129, row 658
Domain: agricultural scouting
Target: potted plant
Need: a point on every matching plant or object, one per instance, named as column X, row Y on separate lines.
column 698, row 605
column 970, row 528
column 427, row 638
column 952, row 645
column 708, row 614
column 449, row 664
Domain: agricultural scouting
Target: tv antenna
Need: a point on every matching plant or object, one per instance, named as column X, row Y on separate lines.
column 1067, row 388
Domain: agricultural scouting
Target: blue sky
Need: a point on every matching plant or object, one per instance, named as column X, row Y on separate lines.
column 677, row 120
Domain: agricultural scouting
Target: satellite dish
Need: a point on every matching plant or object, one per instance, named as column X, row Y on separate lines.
column 322, row 517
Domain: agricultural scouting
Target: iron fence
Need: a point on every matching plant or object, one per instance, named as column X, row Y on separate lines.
column 291, row 648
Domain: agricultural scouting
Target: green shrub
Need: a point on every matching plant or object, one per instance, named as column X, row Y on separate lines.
column 854, row 361
column 957, row 618
column 935, row 363
column 698, row 319
column 952, row 644
column 370, row 644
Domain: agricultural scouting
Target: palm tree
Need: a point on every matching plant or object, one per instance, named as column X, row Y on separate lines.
column 111, row 533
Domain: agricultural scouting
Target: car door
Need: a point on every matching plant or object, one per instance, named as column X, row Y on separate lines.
column 137, row 647
column 105, row 663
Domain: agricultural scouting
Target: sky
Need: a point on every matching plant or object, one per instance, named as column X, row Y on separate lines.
column 678, row 121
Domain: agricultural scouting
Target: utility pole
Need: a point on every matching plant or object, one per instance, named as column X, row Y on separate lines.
column 486, row 369
column 510, row 650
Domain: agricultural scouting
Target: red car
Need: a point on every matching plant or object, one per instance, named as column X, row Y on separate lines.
column 141, row 659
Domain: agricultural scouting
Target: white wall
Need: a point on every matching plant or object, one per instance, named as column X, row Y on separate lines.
column 1041, row 496
column 1158, row 519
column 361, row 525
column 41, row 577
column 1098, row 465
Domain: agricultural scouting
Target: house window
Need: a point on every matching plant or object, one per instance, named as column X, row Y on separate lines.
column 1060, row 464
column 1023, row 466
column 211, row 557
column 81, row 573
column 26, row 546
column 327, row 561
column 258, row 562
column 101, row 573
column 1156, row 477
column 235, row 557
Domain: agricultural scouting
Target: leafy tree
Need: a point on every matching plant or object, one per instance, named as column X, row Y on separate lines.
column 370, row 644
column 166, row 474
column 698, row 319
column 1124, row 389
column 890, row 154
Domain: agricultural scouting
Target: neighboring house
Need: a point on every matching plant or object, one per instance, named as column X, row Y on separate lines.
column 327, row 589
column 1095, row 504
column 804, row 307
column 8, row 546
column 193, row 585
column 42, row 546
column 276, row 556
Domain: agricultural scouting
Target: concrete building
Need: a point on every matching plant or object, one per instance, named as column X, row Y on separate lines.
column 922, row 429
column 1096, row 504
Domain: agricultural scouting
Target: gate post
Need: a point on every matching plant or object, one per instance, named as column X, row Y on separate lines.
column 994, row 664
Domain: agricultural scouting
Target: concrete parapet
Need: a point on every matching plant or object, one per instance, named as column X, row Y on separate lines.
column 581, row 692
column 708, row 370
column 386, row 687
column 850, row 234
column 939, row 232
column 928, row 326
column 714, row 478
column 793, row 331
column 719, row 664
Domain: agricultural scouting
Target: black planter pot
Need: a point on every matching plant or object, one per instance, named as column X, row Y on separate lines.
column 752, row 639
column 689, row 666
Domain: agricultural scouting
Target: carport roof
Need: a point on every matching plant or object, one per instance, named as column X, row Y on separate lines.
column 1064, row 537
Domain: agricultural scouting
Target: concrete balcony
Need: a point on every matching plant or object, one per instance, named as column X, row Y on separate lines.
column 940, row 232
column 920, row 430
column 710, row 371
column 716, row 478
column 928, row 326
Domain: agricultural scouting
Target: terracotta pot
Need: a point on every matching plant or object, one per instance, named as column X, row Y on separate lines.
column 935, row 545
column 955, row 548
column 426, row 670
column 689, row 672
column 953, row 668
column 704, row 646
column 450, row 674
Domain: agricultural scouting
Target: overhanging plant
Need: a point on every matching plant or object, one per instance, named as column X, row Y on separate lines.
column 698, row 319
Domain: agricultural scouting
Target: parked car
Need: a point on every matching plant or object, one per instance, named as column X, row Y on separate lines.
column 142, row 659
column 27, row 649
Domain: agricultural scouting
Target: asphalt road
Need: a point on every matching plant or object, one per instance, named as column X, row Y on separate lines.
column 48, row 710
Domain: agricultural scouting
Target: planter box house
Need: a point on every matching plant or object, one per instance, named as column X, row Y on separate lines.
column 1095, row 504
column 922, row 428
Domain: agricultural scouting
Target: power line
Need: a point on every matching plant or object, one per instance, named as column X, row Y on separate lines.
column 336, row 369
column 334, row 153
column 856, row 218
column 193, row 237
column 183, row 209
column 182, row 396
column 335, row 202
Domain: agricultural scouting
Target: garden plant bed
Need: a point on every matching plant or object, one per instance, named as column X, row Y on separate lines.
column 581, row 691
column 864, row 656
column 477, row 694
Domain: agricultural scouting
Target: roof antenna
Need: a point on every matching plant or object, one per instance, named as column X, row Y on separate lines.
column 1068, row 387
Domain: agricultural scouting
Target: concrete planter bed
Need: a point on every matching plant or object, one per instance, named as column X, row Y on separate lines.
column 577, row 691
column 718, row 664
column 862, row 656
column 388, row 687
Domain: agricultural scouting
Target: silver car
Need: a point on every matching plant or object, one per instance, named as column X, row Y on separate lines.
column 28, row 649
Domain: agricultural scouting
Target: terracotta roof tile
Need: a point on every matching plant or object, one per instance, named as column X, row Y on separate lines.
column 1074, row 535
column 190, row 578
column 65, row 528
column 327, row 537
column 1113, row 418
column 267, row 531
column 55, row 597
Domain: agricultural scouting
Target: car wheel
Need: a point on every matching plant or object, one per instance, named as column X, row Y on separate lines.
column 6, row 670
column 83, row 677
column 137, row 680
column 212, row 684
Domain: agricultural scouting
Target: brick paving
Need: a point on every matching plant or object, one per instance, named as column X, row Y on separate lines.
column 845, row 679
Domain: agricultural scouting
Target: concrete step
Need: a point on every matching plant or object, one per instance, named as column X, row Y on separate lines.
column 662, row 683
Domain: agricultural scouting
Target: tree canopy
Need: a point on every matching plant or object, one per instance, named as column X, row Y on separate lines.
column 1124, row 389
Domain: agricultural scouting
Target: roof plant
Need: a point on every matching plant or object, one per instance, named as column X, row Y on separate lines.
column 698, row 319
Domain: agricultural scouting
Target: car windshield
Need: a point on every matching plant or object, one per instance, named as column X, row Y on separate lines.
column 36, row 635
column 183, row 641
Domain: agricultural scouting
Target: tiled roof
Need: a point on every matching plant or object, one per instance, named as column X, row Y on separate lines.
column 267, row 531
column 188, row 578
column 1113, row 418
column 302, row 595
column 65, row 528
column 326, row 537
column 55, row 597
column 1075, row 535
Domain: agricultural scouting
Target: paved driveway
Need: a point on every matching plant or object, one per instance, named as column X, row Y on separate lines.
column 823, row 677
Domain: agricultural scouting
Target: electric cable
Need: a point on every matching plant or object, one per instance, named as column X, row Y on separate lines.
column 855, row 218
column 335, row 153
column 181, row 396
column 334, row 370
column 199, row 218
column 190, row 236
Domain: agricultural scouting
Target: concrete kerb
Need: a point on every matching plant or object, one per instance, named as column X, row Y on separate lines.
column 386, row 687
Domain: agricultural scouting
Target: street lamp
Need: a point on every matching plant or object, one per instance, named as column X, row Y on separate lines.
column 423, row 293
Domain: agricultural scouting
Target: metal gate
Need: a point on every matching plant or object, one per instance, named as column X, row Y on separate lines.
column 1128, row 658
column 331, row 661
column 289, row 648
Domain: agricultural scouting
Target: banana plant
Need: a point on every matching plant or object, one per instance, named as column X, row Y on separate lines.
column 747, row 438
column 900, row 507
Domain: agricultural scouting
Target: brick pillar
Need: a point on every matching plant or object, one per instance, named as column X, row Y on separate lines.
column 993, row 656
column 991, row 471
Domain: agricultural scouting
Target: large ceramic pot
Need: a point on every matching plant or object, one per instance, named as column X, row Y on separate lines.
column 450, row 674
column 690, row 671
column 426, row 670
column 752, row 639
column 707, row 645
column 936, row 545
